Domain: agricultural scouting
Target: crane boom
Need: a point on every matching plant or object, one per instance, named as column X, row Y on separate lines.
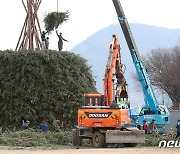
column 151, row 110
column 150, row 99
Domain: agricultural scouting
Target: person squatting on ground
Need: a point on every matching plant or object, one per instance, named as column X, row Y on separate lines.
column 60, row 41
column 178, row 128
column 43, row 126
column 25, row 125
column 56, row 125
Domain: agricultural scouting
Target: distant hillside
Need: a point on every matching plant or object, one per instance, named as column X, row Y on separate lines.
column 95, row 50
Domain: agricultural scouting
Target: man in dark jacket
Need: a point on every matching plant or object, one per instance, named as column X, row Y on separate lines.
column 43, row 39
column 178, row 128
column 60, row 42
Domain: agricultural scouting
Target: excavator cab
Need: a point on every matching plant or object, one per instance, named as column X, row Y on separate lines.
column 93, row 100
column 98, row 100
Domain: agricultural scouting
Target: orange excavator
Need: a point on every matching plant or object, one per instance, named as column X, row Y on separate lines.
column 104, row 117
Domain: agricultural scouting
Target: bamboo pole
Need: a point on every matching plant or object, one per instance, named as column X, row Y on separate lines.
column 29, row 32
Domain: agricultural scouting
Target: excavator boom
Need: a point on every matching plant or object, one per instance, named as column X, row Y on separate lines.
column 114, row 68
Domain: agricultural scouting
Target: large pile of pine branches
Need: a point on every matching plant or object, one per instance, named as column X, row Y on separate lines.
column 37, row 85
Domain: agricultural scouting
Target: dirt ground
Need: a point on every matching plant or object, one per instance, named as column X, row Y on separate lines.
column 69, row 150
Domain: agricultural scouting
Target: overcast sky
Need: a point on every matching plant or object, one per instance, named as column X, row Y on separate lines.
column 87, row 17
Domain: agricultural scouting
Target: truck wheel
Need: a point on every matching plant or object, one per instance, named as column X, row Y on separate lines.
column 98, row 139
column 77, row 140
column 130, row 144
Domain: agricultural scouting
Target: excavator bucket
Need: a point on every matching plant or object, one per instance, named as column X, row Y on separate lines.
column 118, row 136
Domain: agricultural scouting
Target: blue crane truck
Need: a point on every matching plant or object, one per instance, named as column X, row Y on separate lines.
column 151, row 109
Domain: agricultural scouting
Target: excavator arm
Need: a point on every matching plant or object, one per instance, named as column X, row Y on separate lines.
column 114, row 68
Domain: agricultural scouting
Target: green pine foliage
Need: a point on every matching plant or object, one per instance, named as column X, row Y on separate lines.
column 35, row 138
column 54, row 19
column 154, row 138
column 37, row 85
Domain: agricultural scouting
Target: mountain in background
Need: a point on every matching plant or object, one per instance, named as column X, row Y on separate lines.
column 96, row 49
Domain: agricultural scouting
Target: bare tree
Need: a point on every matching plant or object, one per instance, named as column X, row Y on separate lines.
column 163, row 66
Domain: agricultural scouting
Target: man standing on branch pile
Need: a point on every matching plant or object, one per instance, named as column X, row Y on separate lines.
column 43, row 39
column 60, row 42
column 47, row 43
